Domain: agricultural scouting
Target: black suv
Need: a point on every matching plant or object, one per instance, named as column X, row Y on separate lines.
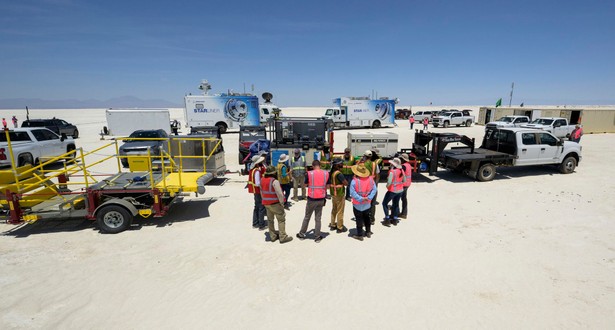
column 59, row 126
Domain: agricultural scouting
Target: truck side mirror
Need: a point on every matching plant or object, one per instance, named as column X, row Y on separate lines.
column 560, row 142
column 62, row 137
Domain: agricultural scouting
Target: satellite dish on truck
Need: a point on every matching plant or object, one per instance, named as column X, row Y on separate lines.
column 267, row 97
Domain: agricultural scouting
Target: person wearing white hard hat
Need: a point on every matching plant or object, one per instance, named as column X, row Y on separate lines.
column 395, row 187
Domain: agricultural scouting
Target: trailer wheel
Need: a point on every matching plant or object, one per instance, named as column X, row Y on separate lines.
column 446, row 123
column 486, row 172
column 376, row 124
column 113, row 219
column 568, row 165
column 468, row 123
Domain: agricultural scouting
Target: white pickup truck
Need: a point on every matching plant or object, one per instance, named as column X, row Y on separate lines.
column 453, row 117
column 508, row 121
column 558, row 126
column 33, row 145
column 501, row 147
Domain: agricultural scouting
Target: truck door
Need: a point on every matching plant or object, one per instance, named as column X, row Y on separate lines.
column 529, row 150
column 339, row 115
column 560, row 128
column 549, row 150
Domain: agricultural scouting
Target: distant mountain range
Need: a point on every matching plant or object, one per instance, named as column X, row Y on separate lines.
column 117, row 102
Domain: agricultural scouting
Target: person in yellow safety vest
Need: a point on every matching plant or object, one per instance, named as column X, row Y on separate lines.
column 325, row 157
column 297, row 169
column 337, row 186
column 273, row 198
column 395, row 186
column 407, row 167
column 348, row 162
column 317, row 190
column 363, row 190
column 284, row 177
column 254, row 184
column 372, row 163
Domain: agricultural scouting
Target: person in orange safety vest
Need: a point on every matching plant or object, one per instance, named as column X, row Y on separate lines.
column 273, row 200
column 254, row 184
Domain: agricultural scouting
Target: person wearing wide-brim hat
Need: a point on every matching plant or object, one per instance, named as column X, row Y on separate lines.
column 273, row 200
column 395, row 186
column 373, row 162
column 407, row 169
column 284, row 177
column 363, row 190
column 348, row 161
column 254, row 185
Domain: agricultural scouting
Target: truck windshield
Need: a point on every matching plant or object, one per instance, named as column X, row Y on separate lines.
column 542, row 121
column 15, row 136
column 506, row 119
column 329, row 112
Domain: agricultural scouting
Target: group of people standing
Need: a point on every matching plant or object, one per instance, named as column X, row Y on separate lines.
column 14, row 120
column 425, row 122
column 341, row 179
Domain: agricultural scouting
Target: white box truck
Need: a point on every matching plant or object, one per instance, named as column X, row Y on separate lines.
column 122, row 122
column 362, row 112
column 225, row 110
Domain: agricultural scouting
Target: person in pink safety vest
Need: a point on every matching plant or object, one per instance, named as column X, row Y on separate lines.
column 395, row 186
column 316, row 180
column 411, row 122
column 407, row 168
column 576, row 134
column 425, row 123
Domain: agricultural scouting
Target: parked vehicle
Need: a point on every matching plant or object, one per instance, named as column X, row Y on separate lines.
column 268, row 110
column 247, row 136
column 453, row 117
column 362, row 112
column 138, row 146
column 33, row 146
column 508, row 121
column 225, row 110
column 56, row 125
column 122, row 122
column 420, row 115
column 403, row 113
column 500, row 147
column 558, row 126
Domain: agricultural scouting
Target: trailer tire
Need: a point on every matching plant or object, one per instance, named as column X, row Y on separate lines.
column 376, row 124
column 486, row 172
column 113, row 219
column 446, row 124
column 568, row 165
column 468, row 123
column 222, row 127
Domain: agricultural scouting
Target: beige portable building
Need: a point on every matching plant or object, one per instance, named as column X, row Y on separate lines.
column 594, row 120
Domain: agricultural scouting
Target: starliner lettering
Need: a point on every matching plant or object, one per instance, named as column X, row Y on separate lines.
column 206, row 110
column 361, row 110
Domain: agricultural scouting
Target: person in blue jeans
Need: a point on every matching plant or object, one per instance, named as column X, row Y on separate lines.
column 362, row 190
column 395, row 187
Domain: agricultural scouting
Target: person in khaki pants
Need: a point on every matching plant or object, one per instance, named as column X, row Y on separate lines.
column 273, row 200
column 298, row 170
column 337, row 186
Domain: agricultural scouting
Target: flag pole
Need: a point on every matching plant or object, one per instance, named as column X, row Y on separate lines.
column 512, row 88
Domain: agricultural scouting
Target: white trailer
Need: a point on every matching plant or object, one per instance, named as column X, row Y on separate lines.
column 362, row 112
column 385, row 142
column 122, row 122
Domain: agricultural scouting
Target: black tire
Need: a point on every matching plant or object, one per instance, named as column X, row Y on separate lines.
column 376, row 124
column 113, row 219
column 568, row 165
column 25, row 159
column 70, row 148
column 446, row 124
column 222, row 127
column 486, row 172
column 435, row 125
column 458, row 125
column 468, row 123
column 75, row 133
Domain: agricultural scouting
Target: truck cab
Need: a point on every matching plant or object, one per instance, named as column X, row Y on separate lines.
column 558, row 126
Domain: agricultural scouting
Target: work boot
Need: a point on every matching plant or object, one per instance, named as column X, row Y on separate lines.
column 386, row 222
column 343, row 230
column 332, row 227
column 273, row 238
column 285, row 239
column 403, row 216
column 357, row 237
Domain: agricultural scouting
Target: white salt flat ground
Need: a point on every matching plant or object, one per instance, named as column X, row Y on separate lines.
column 531, row 249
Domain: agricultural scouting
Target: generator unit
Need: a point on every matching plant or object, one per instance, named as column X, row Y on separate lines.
column 311, row 135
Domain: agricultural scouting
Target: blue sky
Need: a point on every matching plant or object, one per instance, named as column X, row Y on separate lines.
column 309, row 52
